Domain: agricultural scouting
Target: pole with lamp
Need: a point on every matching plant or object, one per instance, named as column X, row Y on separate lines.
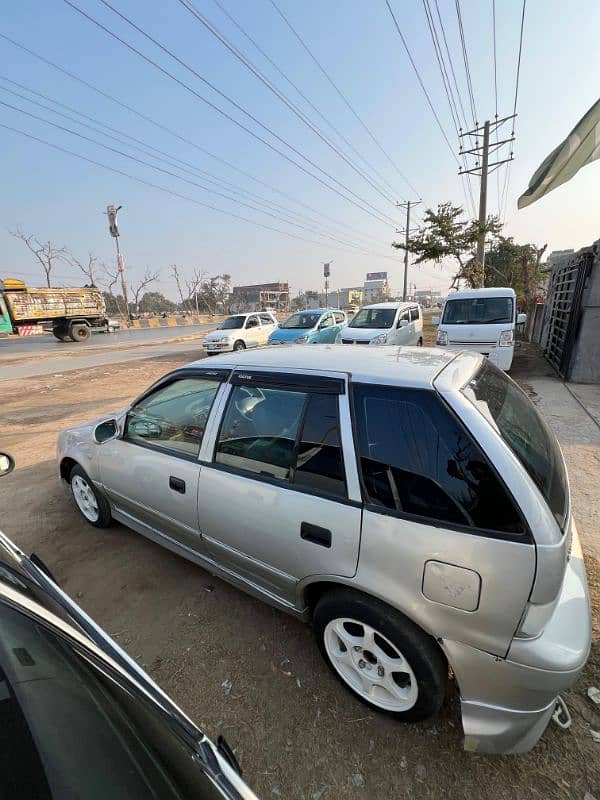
column 326, row 274
column 113, row 228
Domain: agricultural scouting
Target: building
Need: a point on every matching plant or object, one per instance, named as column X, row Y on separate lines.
column 260, row 296
column 350, row 297
column 376, row 288
column 428, row 298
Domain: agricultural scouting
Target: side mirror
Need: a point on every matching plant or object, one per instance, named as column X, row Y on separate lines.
column 403, row 323
column 521, row 318
column 7, row 464
column 106, row 430
column 435, row 320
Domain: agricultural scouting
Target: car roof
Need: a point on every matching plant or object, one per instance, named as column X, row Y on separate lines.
column 391, row 304
column 414, row 367
column 499, row 291
column 315, row 310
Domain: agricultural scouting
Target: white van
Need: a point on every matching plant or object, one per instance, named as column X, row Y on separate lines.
column 385, row 323
column 481, row 320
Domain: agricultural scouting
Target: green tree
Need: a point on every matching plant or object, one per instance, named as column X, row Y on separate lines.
column 517, row 265
column 448, row 233
column 156, row 303
column 212, row 294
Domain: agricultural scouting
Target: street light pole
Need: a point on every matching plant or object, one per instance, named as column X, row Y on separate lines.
column 111, row 212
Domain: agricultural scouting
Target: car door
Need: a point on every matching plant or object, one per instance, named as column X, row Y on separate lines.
column 151, row 472
column 268, row 326
column 323, row 334
column 403, row 334
column 416, row 324
column 277, row 507
column 253, row 333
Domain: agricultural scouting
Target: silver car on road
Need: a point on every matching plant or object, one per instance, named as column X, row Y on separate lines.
column 411, row 503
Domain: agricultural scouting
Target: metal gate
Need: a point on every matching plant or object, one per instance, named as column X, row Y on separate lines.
column 563, row 308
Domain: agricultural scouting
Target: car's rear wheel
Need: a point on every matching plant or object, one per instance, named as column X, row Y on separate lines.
column 420, row 342
column 91, row 504
column 239, row 345
column 380, row 655
column 80, row 332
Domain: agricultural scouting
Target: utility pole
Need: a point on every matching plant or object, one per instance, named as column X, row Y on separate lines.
column 484, row 169
column 326, row 274
column 113, row 228
column 406, row 205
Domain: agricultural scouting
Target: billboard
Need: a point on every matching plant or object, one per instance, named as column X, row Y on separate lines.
column 377, row 276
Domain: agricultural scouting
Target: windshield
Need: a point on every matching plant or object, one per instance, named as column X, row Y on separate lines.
column 302, row 320
column 232, row 322
column 516, row 419
column 64, row 720
column 478, row 311
column 374, row 318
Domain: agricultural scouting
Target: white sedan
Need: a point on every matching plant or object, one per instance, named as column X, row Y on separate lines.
column 239, row 332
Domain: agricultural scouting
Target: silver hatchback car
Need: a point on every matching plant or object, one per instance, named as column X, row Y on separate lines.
column 410, row 503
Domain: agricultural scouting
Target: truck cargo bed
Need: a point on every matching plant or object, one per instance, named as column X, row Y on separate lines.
column 39, row 304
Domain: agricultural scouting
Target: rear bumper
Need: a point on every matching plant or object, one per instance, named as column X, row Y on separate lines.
column 506, row 703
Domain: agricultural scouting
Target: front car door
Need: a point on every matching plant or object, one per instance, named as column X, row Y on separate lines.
column 277, row 504
column 253, row 333
column 325, row 330
column 416, row 324
column 402, row 328
column 151, row 472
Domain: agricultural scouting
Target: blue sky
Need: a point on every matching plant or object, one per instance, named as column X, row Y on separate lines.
column 62, row 198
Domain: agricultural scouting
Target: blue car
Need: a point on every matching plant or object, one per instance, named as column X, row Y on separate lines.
column 314, row 326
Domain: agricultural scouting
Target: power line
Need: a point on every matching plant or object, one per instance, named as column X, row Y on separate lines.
column 450, row 62
column 173, row 133
column 168, row 159
column 374, row 212
column 466, row 62
column 301, row 93
column 426, row 93
column 496, row 96
column 171, row 192
column 342, row 96
column 199, row 17
column 174, row 175
column 507, row 175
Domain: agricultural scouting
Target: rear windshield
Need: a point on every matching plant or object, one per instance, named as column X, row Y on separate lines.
column 374, row 318
column 516, row 419
column 478, row 311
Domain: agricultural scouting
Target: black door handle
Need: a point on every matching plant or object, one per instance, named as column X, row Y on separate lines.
column 315, row 534
column 177, row 484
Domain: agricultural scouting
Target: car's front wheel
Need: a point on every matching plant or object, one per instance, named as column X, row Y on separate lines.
column 239, row 345
column 91, row 504
column 380, row 655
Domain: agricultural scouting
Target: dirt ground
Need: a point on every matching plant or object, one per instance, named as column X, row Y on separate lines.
column 240, row 668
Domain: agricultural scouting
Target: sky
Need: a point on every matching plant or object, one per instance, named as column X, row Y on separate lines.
column 229, row 203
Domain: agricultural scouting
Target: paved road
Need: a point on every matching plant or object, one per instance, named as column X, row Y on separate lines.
column 48, row 345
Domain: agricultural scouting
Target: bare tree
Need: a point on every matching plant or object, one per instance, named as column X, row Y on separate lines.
column 177, row 278
column 91, row 266
column 193, row 287
column 111, row 279
column 138, row 288
column 45, row 252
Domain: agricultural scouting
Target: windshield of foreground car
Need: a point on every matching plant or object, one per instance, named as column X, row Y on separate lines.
column 478, row 311
column 301, row 321
column 231, row 323
column 516, row 419
column 374, row 318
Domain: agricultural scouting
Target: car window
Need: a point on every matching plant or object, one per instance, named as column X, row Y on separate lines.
column 339, row 317
column 319, row 462
column 416, row 459
column 414, row 313
column 326, row 321
column 173, row 417
column 517, row 420
column 252, row 322
column 72, row 730
column 404, row 315
column 259, row 430
column 266, row 319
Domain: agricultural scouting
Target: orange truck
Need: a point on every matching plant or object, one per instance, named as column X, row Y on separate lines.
column 70, row 314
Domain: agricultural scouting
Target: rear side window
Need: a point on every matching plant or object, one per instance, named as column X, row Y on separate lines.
column 417, row 460
column 516, row 419
column 266, row 319
column 291, row 436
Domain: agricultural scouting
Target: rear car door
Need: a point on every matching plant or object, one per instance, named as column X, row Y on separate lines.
column 151, row 473
column 268, row 326
column 442, row 538
column 273, row 501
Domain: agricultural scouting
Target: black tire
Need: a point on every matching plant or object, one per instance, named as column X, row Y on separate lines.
column 239, row 345
column 420, row 342
column 420, row 650
column 80, row 332
column 104, row 516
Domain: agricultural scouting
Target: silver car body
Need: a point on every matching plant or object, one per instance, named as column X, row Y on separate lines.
column 254, row 331
column 400, row 324
column 511, row 616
